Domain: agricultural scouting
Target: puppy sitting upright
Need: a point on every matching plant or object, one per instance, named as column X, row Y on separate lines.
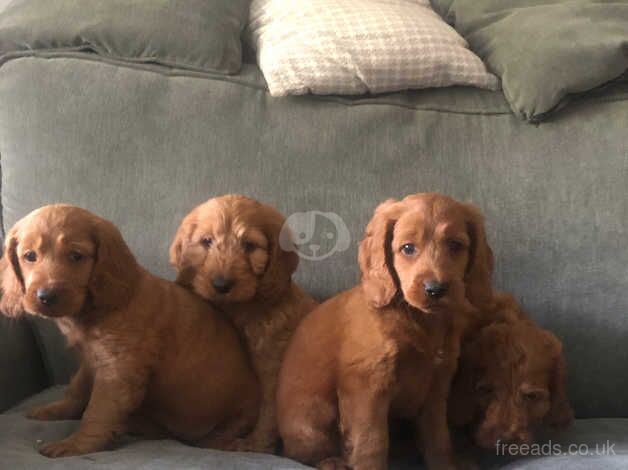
column 153, row 356
column 388, row 347
column 227, row 251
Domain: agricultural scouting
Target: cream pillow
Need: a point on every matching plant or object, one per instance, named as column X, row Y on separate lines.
column 359, row 46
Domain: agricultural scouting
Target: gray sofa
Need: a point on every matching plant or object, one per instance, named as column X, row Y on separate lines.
column 141, row 145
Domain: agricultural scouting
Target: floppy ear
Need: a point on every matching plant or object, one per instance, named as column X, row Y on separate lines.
column 374, row 253
column 116, row 273
column 560, row 414
column 282, row 263
column 185, row 274
column 479, row 289
column 181, row 238
column 176, row 247
column 12, row 281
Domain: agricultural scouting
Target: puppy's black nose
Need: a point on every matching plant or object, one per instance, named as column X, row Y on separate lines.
column 47, row 296
column 222, row 285
column 435, row 289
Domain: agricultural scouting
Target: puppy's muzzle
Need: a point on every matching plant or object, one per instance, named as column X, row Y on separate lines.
column 222, row 285
column 48, row 296
column 434, row 289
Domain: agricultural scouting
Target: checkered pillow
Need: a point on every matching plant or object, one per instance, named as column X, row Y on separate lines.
column 359, row 46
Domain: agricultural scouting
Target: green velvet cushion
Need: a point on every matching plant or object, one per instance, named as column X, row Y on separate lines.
column 202, row 35
column 544, row 50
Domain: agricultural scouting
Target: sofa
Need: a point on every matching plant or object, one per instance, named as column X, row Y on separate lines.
column 141, row 144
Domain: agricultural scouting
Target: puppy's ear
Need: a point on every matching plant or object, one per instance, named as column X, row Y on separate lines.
column 116, row 273
column 560, row 414
column 281, row 263
column 374, row 255
column 12, row 281
column 180, row 240
column 479, row 289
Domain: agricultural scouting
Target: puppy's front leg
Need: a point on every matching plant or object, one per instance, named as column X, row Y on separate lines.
column 433, row 431
column 72, row 405
column 264, row 436
column 432, row 428
column 364, row 409
column 115, row 395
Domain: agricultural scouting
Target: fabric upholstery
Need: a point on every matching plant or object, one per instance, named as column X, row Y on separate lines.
column 544, row 51
column 20, row 437
column 142, row 148
column 199, row 35
column 21, row 370
column 359, row 46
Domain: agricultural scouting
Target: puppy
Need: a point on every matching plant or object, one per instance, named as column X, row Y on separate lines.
column 227, row 251
column 511, row 380
column 152, row 355
column 388, row 347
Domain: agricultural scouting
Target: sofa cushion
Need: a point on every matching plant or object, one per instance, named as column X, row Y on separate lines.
column 199, row 35
column 20, row 437
column 21, row 370
column 544, row 51
column 359, row 46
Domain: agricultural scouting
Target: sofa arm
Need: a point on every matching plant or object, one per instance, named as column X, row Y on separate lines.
column 21, row 369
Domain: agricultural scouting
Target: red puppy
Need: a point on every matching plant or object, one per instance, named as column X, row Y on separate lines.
column 153, row 355
column 388, row 347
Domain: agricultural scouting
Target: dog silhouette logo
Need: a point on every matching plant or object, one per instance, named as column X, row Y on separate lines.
column 314, row 235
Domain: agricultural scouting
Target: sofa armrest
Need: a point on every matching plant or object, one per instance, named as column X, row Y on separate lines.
column 22, row 372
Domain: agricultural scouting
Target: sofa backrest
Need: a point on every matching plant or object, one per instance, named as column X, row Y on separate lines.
column 142, row 149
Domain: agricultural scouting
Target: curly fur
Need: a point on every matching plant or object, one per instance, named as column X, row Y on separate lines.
column 237, row 238
column 386, row 348
column 511, row 379
column 153, row 357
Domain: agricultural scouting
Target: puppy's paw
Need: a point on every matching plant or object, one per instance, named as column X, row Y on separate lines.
column 54, row 411
column 64, row 448
column 333, row 463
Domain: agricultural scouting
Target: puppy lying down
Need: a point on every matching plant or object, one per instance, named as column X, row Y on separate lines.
column 510, row 382
column 153, row 356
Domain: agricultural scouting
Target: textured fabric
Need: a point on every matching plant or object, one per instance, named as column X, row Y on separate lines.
column 194, row 34
column 21, row 369
column 544, row 51
column 142, row 149
column 19, row 438
column 359, row 46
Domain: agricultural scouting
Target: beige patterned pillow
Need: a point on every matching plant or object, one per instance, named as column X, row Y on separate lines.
column 359, row 46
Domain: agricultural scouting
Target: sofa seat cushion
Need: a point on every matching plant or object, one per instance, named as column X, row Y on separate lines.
column 20, row 437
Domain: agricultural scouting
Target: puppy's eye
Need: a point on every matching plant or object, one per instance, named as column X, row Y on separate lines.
column 532, row 396
column 75, row 256
column 483, row 389
column 249, row 246
column 455, row 246
column 206, row 242
column 408, row 249
column 30, row 256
